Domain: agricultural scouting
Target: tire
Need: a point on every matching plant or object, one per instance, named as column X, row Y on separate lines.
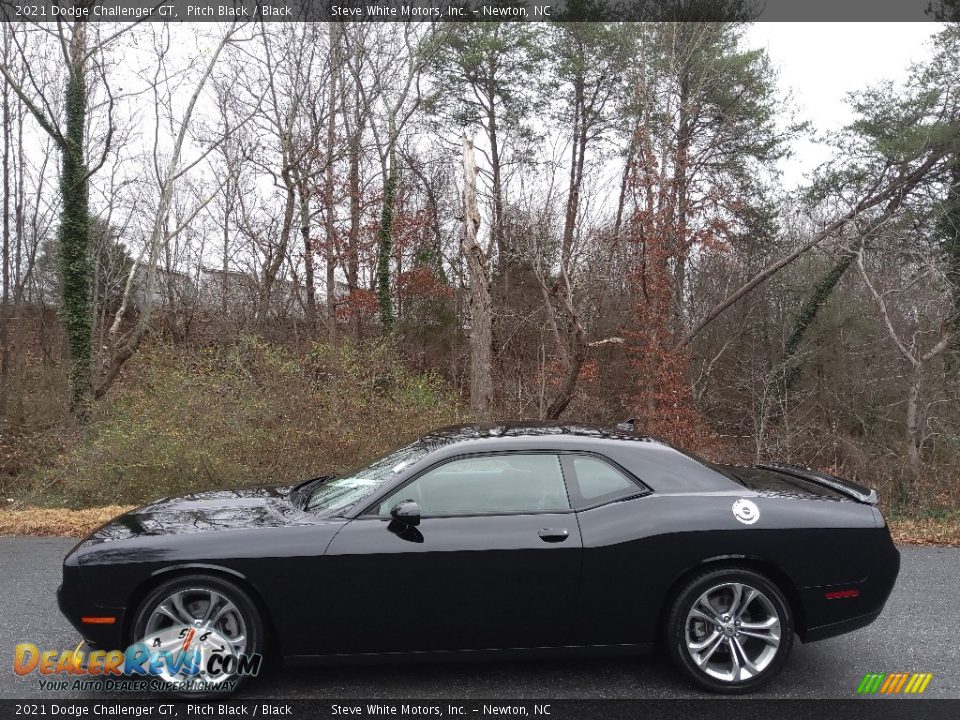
column 234, row 616
column 732, row 653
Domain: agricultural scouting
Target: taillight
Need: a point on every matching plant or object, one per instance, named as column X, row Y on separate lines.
column 840, row 594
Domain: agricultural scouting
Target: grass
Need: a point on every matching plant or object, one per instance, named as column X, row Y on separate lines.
column 936, row 528
column 254, row 412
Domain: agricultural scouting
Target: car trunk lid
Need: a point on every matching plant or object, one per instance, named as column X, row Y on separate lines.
column 848, row 488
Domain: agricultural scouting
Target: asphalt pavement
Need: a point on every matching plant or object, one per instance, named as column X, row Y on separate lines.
column 916, row 633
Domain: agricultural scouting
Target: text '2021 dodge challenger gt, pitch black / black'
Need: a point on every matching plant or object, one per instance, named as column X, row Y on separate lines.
column 525, row 538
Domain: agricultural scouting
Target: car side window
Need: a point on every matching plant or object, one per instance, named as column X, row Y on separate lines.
column 489, row 484
column 598, row 481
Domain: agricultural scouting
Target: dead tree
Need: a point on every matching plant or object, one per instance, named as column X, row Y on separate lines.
column 481, row 307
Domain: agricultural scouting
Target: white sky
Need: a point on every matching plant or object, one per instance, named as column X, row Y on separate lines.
column 821, row 62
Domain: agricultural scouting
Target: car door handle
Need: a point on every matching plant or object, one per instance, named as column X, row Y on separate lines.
column 553, row 535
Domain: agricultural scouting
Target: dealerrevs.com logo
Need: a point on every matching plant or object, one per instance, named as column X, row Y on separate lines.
column 894, row 683
column 176, row 659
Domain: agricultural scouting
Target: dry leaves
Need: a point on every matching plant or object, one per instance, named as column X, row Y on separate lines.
column 926, row 531
column 57, row 521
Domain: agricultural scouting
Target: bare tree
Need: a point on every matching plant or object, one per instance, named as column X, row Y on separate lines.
column 917, row 356
column 481, row 309
column 295, row 117
column 161, row 233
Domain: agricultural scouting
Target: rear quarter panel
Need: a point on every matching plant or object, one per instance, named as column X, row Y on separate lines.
column 638, row 552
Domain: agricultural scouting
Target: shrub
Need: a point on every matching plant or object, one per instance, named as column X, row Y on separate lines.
column 254, row 412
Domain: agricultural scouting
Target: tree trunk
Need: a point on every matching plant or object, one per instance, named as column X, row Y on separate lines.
column 497, row 186
column 625, row 183
column 19, row 283
column 272, row 269
column 75, row 229
column 808, row 313
column 225, row 260
column 575, row 356
column 682, row 173
column 385, row 240
column 352, row 269
column 577, row 153
column 571, row 335
column 5, row 309
column 504, row 261
column 311, row 304
column 912, row 435
column 950, row 225
column 481, row 309
column 330, row 218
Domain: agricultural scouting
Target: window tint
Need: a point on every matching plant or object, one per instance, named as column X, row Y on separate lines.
column 489, row 484
column 598, row 479
column 338, row 493
column 665, row 469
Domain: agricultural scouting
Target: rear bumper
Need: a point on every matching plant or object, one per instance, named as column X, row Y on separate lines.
column 841, row 627
column 826, row 618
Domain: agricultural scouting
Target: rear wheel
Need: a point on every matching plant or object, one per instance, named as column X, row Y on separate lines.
column 206, row 616
column 730, row 630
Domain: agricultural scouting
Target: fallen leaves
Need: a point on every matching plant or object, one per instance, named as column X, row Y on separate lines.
column 57, row 521
column 943, row 531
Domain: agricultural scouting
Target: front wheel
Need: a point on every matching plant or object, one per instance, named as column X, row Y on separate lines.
column 730, row 630
column 200, row 626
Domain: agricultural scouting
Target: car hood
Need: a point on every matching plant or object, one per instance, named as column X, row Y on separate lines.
column 210, row 511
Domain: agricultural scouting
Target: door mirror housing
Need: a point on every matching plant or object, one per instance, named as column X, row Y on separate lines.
column 406, row 512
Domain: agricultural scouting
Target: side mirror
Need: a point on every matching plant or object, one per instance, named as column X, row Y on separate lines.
column 406, row 512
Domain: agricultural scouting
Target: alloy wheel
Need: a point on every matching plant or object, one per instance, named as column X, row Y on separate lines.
column 732, row 632
column 216, row 621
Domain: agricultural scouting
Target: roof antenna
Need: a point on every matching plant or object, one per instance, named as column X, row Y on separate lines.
column 628, row 425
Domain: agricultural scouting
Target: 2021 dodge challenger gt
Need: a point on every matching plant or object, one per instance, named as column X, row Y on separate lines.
column 523, row 537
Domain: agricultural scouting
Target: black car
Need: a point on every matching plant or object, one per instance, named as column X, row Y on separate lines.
column 508, row 538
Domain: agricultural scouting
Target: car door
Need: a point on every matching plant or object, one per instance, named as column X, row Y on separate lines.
column 618, row 601
column 493, row 563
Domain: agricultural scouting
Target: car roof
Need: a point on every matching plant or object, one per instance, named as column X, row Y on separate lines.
column 527, row 427
column 660, row 466
column 545, row 434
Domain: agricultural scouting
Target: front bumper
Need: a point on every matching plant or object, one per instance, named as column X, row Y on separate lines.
column 74, row 606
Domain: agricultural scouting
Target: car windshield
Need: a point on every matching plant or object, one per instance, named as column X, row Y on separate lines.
column 336, row 494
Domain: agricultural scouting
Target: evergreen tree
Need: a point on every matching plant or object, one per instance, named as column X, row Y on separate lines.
column 488, row 75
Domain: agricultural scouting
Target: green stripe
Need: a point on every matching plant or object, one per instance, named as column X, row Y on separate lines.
column 871, row 683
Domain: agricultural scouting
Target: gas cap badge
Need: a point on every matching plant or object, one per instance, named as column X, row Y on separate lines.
column 746, row 511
